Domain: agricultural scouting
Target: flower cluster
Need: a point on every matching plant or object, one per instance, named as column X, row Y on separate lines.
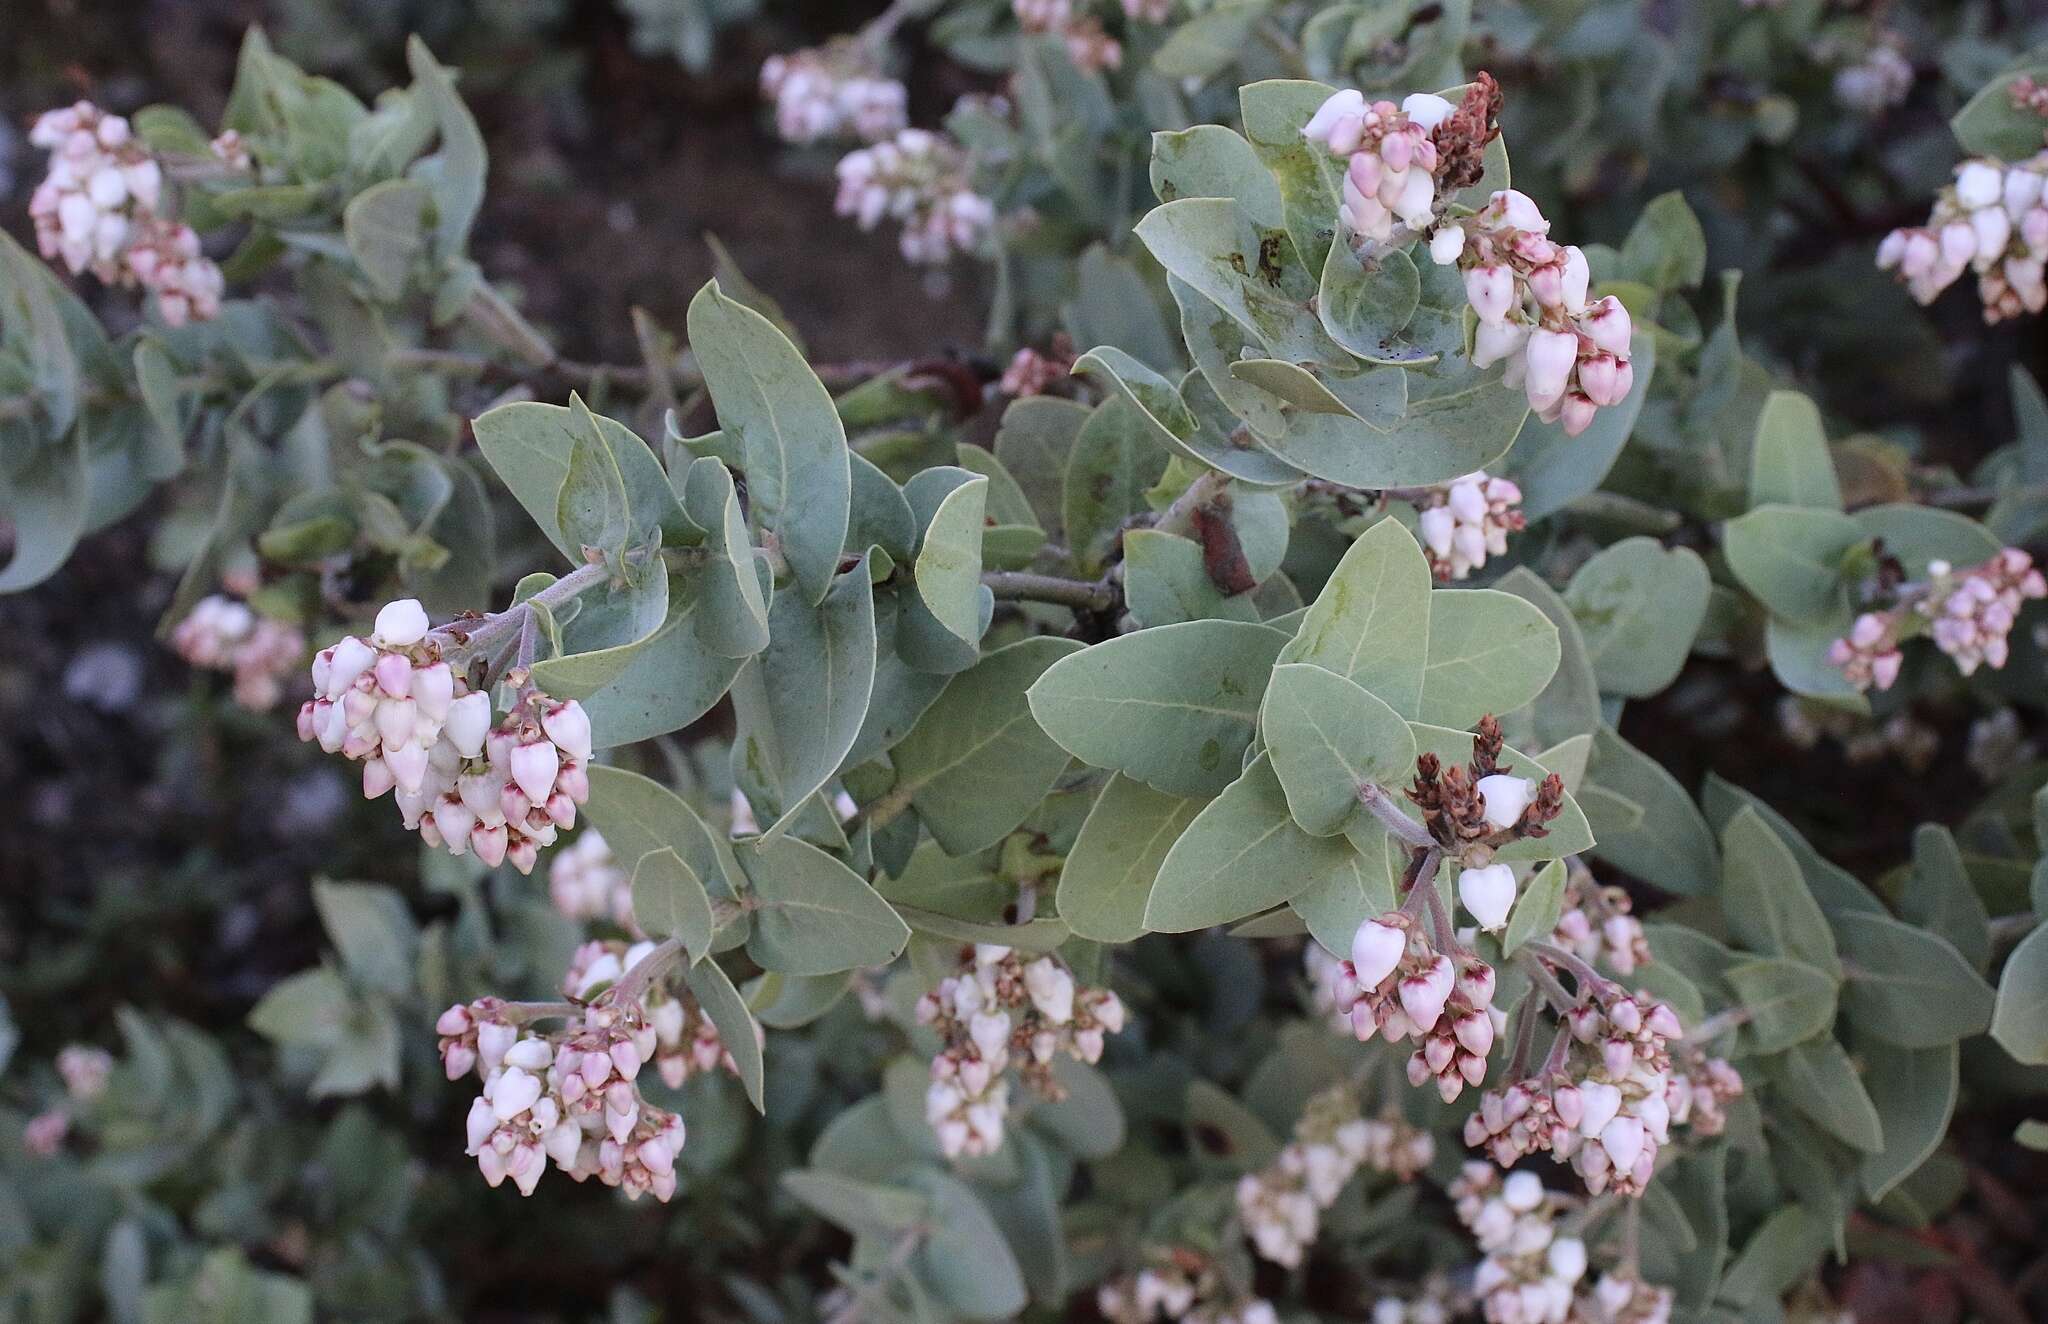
column 1399, row 985
column 1998, row 744
column 1875, row 81
column 585, row 882
column 222, row 634
column 1031, row 372
column 98, row 208
column 1993, row 220
column 1391, row 161
column 833, row 91
column 686, row 1043
column 1863, row 738
column 1604, row 1101
column 1466, row 520
column 2027, row 94
column 1435, row 1301
column 1595, row 924
column 1281, row 1206
column 84, row 1070
column 1183, row 1286
column 568, row 1096
column 1568, row 355
column 1529, row 1274
column 999, row 1004
column 1968, row 612
column 924, row 181
column 464, row 784
column 1623, row 1298
column 1088, row 45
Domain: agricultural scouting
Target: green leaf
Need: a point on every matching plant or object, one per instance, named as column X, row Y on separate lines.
column 1108, row 875
column 1835, row 888
column 1366, row 308
column 1787, row 1248
column 384, row 228
column 1818, row 1079
column 729, row 1016
column 1790, row 558
column 1034, row 442
column 1112, row 463
column 2020, row 1022
column 46, row 500
column 456, row 172
column 1666, row 249
column 372, row 930
column 669, row 901
column 1220, row 253
column 1788, row 1002
column 1174, row 707
column 638, row 816
column 812, row 914
column 732, row 612
column 976, row 764
column 1210, row 42
column 1274, row 112
column 799, row 479
column 1765, row 899
column 530, row 445
column 1327, row 738
column 799, row 703
column 1914, row 1093
column 1639, row 606
column 667, row 681
column 965, row 1259
column 591, row 510
column 1242, row 854
column 1908, row 986
column 1211, row 161
column 1371, row 622
column 1789, row 463
column 1940, row 897
column 948, row 570
column 1918, row 534
column 1114, row 305
column 1166, row 582
column 1358, row 889
column 1537, row 909
column 1570, row 704
column 861, row 1207
column 1646, row 822
column 1489, row 652
column 1172, row 421
column 1089, row 1121
column 1991, row 125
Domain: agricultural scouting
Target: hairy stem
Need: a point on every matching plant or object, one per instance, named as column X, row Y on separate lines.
column 1023, row 586
column 633, row 985
column 1560, row 998
column 1404, row 829
column 1588, row 979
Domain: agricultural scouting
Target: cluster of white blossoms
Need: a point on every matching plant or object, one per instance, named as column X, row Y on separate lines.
column 1088, row 44
column 1399, row 985
column 97, row 209
column 924, row 181
column 1998, row 744
column 1001, row 1010
column 1281, row 1206
column 1402, row 166
column 1595, row 924
column 222, row 634
column 463, row 783
column 837, row 90
column 1969, row 613
column 1605, row 1100
column 1031, row 372
column 686, row 1043
column 1993, row 220
column 84, row 1069
column 1434, row 1301
column 585, row 882
column 568, row 1097
column 1183, row 1286
column 1529, row 1274
column 1876, row 80
column 1466, row 520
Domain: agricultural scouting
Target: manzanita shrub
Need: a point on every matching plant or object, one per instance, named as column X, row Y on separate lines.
column 1168, row 854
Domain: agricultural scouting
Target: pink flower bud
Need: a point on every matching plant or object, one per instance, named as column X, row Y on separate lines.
column 1375, row 950
column 1423, row 995
column 489, row 843
column 1549, row 359
column 569, row 727
column 1491, row 291
column 533, row 767
column 402, row 623
column 1505, row 798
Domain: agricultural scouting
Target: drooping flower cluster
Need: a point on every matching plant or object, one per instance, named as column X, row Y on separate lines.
column 1992, row 220
column 1391, row 161
column 997, row 1006
column 1595, row 924
column 1623, row 1298
column 1434, row 1301
column 1466, row 520
column 1604, row 1101
column 98, row 207
column 837, row 90
column 1529, row 1274
column 222, row 634
column 1400, row 986
column 1088, row 44
column 1568, row 355
column 392, row 702
column 1183, row 1286
column 1281, row 1206
column 585, row 882
column 1969, row 613
column 924, row 181
column 568, row 1097
column 2025, row 93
